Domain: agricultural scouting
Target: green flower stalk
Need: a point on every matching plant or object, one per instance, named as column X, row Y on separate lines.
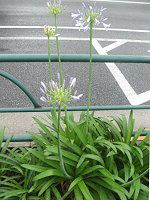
column 50, row 32
column 55, row 9
column 60, row 95
column 90, row 77
column 59, row 145
column 85, row 20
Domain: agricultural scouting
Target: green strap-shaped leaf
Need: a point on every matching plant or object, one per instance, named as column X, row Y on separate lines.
column 46, row 186
column 41, row 157
column 5, row 147
column 56, row 193
column 85, row 191
column 69, row 155
column 2, row 131
column 139, row 154
column 75, row 182
column 36, row 168
column 81, row 135
column 130, row 127
column 102, row 192
column 47, row 195
column 78, row 193
column 101, row 140
column 95, row 157
column 92, row 169
column 137, row 134
column 48, row 173
column 93, row 149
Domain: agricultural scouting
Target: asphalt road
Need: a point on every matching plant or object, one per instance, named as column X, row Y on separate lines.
column 120, row 84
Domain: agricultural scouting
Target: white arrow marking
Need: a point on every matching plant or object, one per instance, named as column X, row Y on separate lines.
column 114, row 45
column 129, row 92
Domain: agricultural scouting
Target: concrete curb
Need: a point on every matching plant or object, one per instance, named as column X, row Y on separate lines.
column 19, row 123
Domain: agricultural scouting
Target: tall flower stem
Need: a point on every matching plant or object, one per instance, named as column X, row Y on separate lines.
column 58, row 50
column 59, row 145
column 90, row 78
column 49, row 59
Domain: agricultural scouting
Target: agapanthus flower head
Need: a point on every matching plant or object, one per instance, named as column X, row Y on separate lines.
column 55, row 7
column 90, row 14
column 57, row 94
column 49, row 31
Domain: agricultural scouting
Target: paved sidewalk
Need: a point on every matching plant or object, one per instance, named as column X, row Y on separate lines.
column 19, row 123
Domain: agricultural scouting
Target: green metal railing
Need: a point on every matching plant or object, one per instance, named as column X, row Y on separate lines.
column 64, row 58
column 73, row 58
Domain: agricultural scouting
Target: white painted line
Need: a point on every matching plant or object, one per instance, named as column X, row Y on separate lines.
column 148, row 51
column 75, row 39
column 113, row 45
column 76, row 28
column 123, row 40
column 145, row 96
column 129, row 92
column 130, row 2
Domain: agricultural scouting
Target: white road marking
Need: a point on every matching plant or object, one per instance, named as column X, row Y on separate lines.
column 148, row 51
column 75, row 39
column 113, row 45
column 130, row 2
column 76, row 28
column 129, row 92
column 145, row 96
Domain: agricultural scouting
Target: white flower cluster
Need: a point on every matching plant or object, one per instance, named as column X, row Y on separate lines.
column 57, row 94
column 90, row 15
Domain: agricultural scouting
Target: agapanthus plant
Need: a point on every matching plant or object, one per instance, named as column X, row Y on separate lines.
column 59, row 94
column 90, row 15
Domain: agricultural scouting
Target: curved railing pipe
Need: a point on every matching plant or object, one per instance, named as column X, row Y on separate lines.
column 21, row 86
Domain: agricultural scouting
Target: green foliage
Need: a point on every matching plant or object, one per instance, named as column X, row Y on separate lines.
column 107, row 163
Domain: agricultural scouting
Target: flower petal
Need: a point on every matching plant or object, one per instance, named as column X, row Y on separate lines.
column 43, row 99
column 88, row 20
column 44, row 86
column 73, row 82
column 75, row 15
column 77, row 97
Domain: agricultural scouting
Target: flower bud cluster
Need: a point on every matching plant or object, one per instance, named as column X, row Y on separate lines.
column 49, row 31
column 57, row 94
column 54, row 7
